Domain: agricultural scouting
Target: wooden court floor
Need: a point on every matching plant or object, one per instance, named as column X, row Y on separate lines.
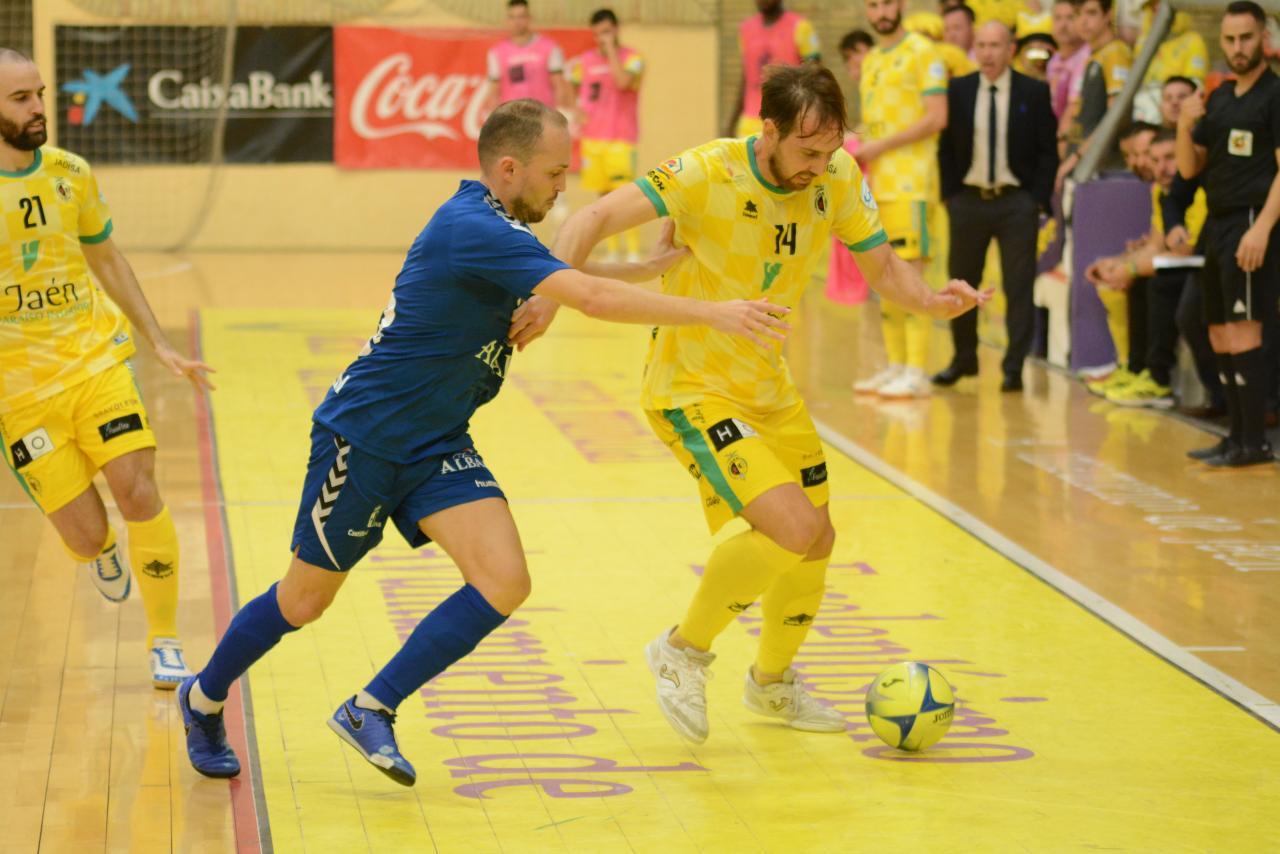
column 1104, row 610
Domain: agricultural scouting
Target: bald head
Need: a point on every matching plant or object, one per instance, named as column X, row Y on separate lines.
column 22, row 120
column 993, row 49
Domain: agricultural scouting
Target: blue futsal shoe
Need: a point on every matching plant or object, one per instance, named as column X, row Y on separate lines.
column 370, row 732
column 206, row 738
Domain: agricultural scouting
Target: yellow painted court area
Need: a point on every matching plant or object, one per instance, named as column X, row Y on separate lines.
column 1068, row 735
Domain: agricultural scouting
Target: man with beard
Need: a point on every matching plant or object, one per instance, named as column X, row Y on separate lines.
column 756, row 215
column 69, row 402
column 904, row 106
column 390, row 440
column 1233, row 141
column 773, row 37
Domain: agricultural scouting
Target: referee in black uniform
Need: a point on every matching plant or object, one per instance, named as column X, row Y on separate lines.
column 1234, row 140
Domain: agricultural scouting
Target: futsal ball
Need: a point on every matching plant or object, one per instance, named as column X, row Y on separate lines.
column 910, row 706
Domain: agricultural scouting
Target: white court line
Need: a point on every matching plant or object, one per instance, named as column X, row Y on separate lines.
column 171, row 270
column 1214, row 648
column 1237, row 692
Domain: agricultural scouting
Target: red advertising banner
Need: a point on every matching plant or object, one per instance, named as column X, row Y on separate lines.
column 414, row 99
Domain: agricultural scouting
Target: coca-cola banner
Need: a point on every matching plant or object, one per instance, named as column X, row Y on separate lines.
column 415, row 98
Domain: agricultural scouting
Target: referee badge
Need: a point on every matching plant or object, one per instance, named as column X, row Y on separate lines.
column 1240, row 143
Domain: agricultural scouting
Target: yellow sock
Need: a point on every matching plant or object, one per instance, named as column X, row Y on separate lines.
column 789, row 607
column 918, row 328
column 738, row 570
column 611, row 244
column 153, row 551
column 893, row 326
column 1117, row 305
column 106, row 547
column 632, row 239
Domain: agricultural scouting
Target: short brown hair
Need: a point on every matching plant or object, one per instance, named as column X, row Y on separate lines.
column 790, row 92
column 514, row 130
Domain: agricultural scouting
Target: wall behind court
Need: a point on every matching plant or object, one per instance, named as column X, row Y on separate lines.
column 316, row 206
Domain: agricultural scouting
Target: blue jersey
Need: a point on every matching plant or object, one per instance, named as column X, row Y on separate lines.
column 440, row 350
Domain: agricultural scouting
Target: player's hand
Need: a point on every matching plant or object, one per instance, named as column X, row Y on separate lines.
column 1252, row 248
column 759, row 320
column 665, row 252
column 869, row 151
column 1191, row 110
column 1178, row 241
column 956, row 298
column 531, row 320
column 181, row 366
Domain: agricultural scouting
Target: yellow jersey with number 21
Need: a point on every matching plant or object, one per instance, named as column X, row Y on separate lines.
column 747, row 239
column 57, row 328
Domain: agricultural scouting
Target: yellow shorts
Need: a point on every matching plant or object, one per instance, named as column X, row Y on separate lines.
column 749, row 126
column 736, row 457
column 909, row 227
column 56, row 446
column 607, row 165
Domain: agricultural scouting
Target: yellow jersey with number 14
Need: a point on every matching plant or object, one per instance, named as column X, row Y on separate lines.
column 895, row 82
column 57, row 328
column 747, row 239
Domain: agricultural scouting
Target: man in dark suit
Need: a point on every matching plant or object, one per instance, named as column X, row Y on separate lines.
column 998, row 157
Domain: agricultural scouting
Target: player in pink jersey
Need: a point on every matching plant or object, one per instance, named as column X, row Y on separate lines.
column 773, row 37
column 526, row 65
column 608, row 85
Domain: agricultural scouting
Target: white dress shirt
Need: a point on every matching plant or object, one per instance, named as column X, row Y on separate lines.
column 977, row 174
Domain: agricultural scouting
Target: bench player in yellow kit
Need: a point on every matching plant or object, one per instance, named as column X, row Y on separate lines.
column 755, row 214
column 69, row 401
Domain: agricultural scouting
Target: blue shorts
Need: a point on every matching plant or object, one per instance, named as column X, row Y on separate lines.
column 348, row 495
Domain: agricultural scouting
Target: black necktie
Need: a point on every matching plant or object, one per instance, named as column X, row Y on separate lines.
column 991, row 141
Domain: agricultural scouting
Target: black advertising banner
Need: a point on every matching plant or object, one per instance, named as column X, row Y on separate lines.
column 153, row 94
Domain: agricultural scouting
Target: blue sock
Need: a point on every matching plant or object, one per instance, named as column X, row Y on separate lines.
column 254, row 629
column 445, row 635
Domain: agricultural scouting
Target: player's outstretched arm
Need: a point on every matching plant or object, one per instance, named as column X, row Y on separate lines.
column 664, row 255
column 898, row 281
column 607, row 299
column 119, row 282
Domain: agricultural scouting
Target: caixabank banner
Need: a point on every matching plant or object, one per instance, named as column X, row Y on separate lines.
column 155, row 94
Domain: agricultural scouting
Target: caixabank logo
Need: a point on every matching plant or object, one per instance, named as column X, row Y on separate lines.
column 156, row 94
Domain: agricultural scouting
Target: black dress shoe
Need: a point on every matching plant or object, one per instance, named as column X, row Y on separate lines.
column 1212, row 451
column 1204, row 410
column 1012, row 382
column 1239, row 456
column 951, row 374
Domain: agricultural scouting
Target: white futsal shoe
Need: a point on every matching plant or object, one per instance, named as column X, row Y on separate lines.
column 788, row 701
column 877, row 381
column 109, row 572
column 911, row 384
column 681, row 676
column 168, row 667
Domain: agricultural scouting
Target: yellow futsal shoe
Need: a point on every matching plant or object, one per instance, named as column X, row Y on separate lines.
column 1143, row 391
column 788, row 701
column 1118, row 378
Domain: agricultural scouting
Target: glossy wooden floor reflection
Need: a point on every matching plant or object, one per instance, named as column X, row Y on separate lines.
column 1101, row 492
column 1070, row 735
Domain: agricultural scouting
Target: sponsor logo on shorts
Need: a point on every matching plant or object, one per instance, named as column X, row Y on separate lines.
column 30, row 447
column 130, row 423
column 814, row 475
column 695, row 471
column 131, row 403
column 461, row 461
column 352, row 532
column 725, row 433
column 713, row 500
column 738, row 467
column 798, row 620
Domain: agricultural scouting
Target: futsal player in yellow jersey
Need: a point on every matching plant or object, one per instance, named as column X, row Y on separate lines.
column 69, row 402
column 755, row 214
column 904, row 106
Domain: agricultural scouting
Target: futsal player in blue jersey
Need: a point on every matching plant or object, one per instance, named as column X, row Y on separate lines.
column 390, row 442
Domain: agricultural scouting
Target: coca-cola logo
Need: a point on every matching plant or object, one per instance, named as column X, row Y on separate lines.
column 390, row 101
